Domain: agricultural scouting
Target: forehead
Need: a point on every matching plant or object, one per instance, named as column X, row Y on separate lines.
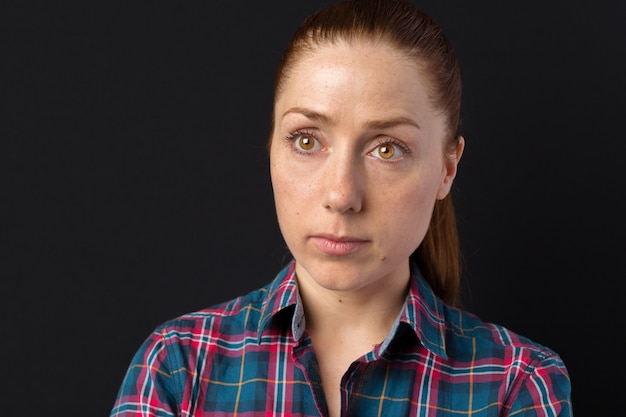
column 381, row 50
column 366, row 74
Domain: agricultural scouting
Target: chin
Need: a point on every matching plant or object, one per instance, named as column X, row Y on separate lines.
column 341, row 276
column 344, row 284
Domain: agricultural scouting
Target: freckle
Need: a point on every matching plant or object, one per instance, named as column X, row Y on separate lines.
column 340, row 300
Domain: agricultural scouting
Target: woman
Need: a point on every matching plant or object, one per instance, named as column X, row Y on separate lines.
column 364, row 148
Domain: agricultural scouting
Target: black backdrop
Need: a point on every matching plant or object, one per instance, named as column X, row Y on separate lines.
column 134, row 180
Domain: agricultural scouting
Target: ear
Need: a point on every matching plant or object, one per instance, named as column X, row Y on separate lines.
column 451, row 163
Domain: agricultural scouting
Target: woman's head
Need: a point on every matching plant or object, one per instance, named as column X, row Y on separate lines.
column 414, row 47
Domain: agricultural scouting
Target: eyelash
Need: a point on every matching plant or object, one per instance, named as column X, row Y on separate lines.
column 293, row 136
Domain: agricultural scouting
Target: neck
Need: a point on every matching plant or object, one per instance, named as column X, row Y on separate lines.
column 367, row 312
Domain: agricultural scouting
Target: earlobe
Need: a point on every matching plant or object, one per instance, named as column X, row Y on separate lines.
column 450, row 169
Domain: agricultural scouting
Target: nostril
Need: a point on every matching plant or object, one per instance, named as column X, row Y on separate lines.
column 343, row 200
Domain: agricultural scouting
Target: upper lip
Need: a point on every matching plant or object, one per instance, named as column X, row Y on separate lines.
column 339, row 238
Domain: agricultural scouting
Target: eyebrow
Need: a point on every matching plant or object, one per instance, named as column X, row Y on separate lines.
column 309, row 114
column 395, row 121
column 372, row 124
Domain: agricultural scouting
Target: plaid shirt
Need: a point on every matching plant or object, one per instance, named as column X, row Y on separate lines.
column 252, row 357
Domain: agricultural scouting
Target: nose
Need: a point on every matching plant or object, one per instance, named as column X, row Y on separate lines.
column 342, row 184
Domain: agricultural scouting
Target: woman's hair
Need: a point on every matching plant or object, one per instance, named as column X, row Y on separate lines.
column 412, row 32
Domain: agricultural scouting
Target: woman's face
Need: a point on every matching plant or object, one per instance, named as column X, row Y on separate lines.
column 357, row 161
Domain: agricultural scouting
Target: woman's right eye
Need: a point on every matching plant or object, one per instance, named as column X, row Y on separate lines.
column 304, row 142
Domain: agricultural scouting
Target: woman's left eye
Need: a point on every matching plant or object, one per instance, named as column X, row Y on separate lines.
column 388, row 151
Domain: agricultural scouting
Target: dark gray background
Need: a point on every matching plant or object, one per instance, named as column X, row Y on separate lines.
column 135, row 187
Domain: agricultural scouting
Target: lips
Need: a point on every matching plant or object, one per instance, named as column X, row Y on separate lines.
column 338, row 245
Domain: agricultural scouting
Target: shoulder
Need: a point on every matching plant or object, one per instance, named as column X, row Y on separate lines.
column 463, row 327
column 225, row 327
column 534, row 375
column 196, row 348
column 172, row 346
column 464, row 341
column 522, row 361
column 227, row 320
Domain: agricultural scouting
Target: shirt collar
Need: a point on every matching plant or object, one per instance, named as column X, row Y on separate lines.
column 283, row 293
column 422, row 311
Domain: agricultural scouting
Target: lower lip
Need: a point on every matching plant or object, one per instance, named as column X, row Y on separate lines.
column 336, row 247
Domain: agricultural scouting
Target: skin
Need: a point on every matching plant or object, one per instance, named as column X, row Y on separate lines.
column 351, row 217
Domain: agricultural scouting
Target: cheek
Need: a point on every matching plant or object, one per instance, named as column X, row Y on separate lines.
column 290, row 193
column 410, row 210
column 413, row 209
column 279, row 187
column 292, row 180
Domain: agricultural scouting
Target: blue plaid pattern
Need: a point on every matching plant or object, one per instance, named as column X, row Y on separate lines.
column 252, row 357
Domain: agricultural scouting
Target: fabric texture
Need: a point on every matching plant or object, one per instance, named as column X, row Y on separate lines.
column 252, row 357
